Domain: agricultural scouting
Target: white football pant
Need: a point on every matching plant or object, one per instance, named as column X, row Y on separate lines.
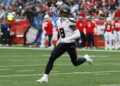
column 116, row 41
column 108, row 40
column 43, row 39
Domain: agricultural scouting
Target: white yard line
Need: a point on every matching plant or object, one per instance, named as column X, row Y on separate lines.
column 30, row 65
column 101, row 74
column 82, row 55
column 52, row 49
column 4, row 69
column 26, row 70
column 116, row 64
column 20, row 75
column 111, row 85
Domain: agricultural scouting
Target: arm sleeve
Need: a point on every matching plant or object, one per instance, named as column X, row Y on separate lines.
column 75, row 35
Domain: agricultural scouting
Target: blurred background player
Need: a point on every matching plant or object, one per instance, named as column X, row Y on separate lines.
column 116, row 27
column 43, row 38
column 108, row 34
column 68, row 34
column 81, row 26
column 90, row 27
column 47, row 30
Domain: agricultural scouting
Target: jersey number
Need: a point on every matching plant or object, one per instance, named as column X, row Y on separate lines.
column 117, row 25
column 108, row 27
column 62, row 32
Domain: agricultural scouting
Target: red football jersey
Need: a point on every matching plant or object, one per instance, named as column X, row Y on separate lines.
column 116, row 25
column 90, row 27
column 108, row 27
column 48, row 27
column 80, row 25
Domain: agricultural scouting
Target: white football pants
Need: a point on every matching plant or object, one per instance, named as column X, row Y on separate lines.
column 43, row 38
column 108, row 40
column 116, row 41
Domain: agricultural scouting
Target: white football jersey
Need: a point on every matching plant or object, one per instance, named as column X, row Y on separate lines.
column 64, row 28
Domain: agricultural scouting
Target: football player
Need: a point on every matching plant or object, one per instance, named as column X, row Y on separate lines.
column 116, row 27
column 108, row 34
column 47, row 30
column 68, row 34
column 44, row 25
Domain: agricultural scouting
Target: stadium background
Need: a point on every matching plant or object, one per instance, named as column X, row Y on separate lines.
column 14, row 11
column 22, row 66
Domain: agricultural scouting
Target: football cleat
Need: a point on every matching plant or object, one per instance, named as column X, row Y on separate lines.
column 88, row 59
column 44, row 79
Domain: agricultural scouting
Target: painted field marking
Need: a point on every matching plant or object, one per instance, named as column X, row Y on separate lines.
column 81, row 55
column 111, row 85
column 4, row 69
column 18, row 75
column 52, row 49
column 117, row 64
column 26, row 70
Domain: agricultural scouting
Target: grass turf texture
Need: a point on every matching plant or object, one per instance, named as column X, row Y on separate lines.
column 22, row 67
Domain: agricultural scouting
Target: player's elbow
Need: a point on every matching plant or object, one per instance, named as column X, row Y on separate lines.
column 77, row 33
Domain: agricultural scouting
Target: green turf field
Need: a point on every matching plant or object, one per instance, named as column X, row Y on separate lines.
column 22, row 67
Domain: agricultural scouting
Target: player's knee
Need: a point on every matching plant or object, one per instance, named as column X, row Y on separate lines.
column 52, row 58
column 75, row 63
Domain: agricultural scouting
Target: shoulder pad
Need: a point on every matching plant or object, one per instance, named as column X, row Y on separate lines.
column 73, row 20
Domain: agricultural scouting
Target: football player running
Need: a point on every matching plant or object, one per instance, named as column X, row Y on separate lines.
column 66, row 42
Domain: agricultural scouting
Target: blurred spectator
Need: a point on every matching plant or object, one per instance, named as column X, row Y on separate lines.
column 92, row 9
column 117, row 13
column 105, row 13
column 112, row 5
column 37, row 2
column 48, row 27
column 111, row 15
column 43, row 1
column 1, row 7
column 82, row 13
column 81, row 25
column 59, row 3
column 94, row 15
column 29, row 12
column 90, row 27
column 5, row 29
column 101, row 12
column 19, row 4
column 24, row 1
column 12, row 7
column 52, row 10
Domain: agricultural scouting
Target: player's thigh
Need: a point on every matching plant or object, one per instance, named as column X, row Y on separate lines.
column 106, row 36
column 118, row 35
column 57, row 51
column 92, row 37
column 110, row 36
column 115, row 35
column 72, row 51
column 88, row 38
